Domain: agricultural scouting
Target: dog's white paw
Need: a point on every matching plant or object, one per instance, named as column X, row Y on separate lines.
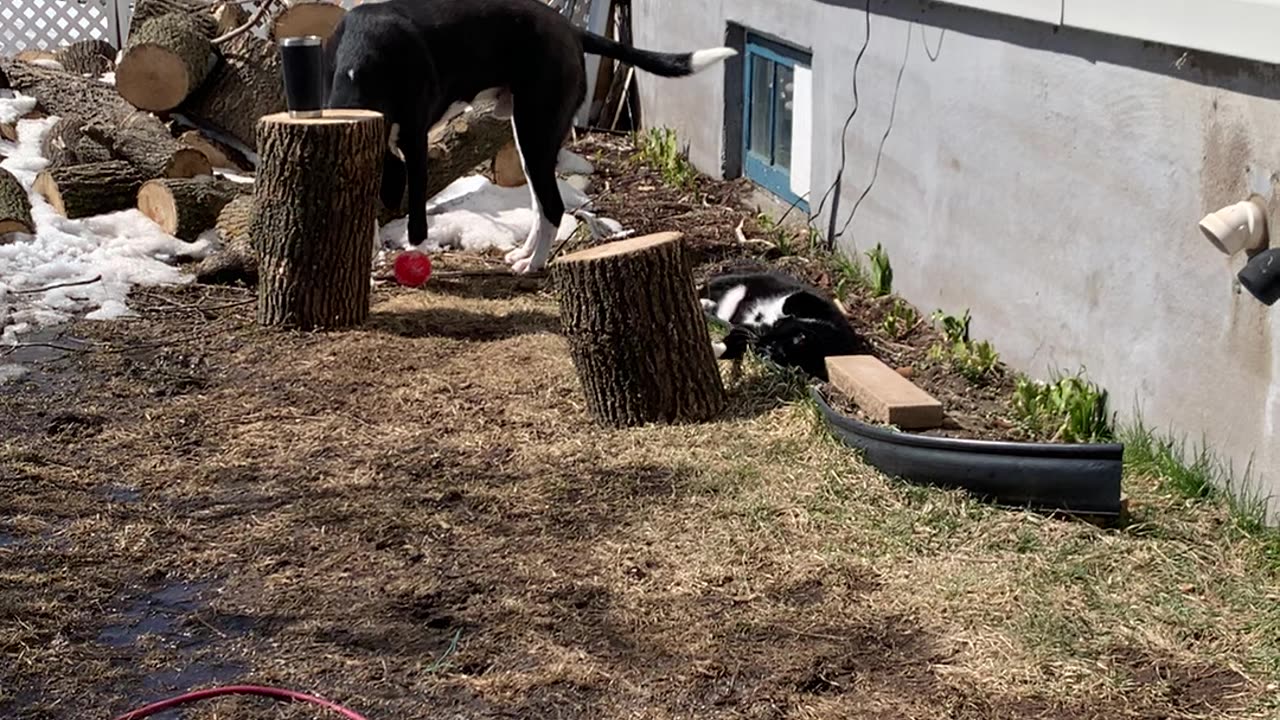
column 521, row 253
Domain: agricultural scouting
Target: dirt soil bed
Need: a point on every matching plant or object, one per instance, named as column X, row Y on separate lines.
column 418, row 520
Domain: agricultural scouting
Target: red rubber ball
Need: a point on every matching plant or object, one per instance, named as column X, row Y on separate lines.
column 412, row 268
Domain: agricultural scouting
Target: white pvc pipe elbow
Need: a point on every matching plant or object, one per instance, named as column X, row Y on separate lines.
column 1242, row 226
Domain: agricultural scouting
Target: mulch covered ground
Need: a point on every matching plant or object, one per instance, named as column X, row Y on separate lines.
column 418, row 520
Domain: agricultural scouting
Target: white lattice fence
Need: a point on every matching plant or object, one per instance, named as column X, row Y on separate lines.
column 50, row 24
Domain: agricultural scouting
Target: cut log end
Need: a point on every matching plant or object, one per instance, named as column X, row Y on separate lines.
column 47, row 188
column 308, row 18
column 334, row 116
column 620, row 247
column 8, row 227
column 154, row 78
column 188, row 163
column 157, row 202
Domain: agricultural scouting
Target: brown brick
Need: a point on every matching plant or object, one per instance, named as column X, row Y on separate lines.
column 883, row 394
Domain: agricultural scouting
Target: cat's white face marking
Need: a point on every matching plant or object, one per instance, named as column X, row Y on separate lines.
column 708, row 305
column 728, row 304
column 767, row 311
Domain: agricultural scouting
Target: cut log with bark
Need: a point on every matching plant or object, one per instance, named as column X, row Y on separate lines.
column 15, row 206
column 237, row 259
column 131, row 135
column 61, row 93
column 186, row 207
column 88, row 57
column 197, row 10
column 457, row 148
column 314, row 235
column 66, row 144
column 636, row 332
column 165, row 61
column 245, row 86
column 307, row 17
column 229, row 16
column 81, row 191
column 218, row 155
column 143, row 140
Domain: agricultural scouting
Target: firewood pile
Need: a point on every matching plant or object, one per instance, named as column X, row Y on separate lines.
column 180, row 120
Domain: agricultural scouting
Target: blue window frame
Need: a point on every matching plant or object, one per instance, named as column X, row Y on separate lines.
column 768, row 117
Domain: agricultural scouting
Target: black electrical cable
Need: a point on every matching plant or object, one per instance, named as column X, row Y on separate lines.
column 844, row 154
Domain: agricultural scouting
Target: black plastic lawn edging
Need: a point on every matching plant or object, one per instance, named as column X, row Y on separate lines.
column 1073, row 478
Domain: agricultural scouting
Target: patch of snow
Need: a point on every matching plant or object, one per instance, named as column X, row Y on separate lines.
column 571, row 163
column 124, row 248
column 14, row 105
column 475, row 215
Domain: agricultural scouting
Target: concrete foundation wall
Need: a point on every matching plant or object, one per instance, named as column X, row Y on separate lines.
column 1048, row 179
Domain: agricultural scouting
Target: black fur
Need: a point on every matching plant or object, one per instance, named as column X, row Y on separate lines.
column 809, row 328
column 412, row 59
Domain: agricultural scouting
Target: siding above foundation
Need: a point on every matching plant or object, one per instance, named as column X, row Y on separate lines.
column 1235, row 28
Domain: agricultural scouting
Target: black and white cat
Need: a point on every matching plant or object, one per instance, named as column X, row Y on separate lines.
column 785, row 321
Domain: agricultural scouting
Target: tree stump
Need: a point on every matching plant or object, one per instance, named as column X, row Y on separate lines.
column 15, row 207
column 316, row 197
column 637, row 334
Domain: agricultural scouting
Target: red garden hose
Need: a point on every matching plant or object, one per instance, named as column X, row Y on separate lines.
column 270, row 692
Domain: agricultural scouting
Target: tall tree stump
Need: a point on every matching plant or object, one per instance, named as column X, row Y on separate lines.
column 637, row 334
column 316, row 195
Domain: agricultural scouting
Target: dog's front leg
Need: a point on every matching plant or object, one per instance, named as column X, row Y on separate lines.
column 415, row 160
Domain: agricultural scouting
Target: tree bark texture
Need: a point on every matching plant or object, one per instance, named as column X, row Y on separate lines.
column 316, row 198
column 15, row 206
column 245, row 86
column 187, row 207
column 198, row 11
column 637, row 334
column 87, row 57
column 307, row 17
column 66, row 144
column 237, row 260
column 61, row 93
column 165, row 60
column 228, row 16
column 81, row 191
column 143, row 140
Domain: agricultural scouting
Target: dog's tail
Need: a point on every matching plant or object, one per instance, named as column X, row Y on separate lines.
column 658, row 63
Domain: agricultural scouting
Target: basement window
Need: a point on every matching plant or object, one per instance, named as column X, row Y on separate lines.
column 777, row 122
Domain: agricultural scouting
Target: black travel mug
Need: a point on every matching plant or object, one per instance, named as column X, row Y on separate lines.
column 302, row 61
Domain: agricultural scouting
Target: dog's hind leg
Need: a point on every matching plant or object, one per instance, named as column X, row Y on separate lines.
column 540, row 127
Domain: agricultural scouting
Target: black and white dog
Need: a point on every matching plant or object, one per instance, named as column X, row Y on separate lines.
column 780, row 318
column 412, row 60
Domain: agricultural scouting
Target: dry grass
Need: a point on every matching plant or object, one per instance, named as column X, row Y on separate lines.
column 417, row 519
